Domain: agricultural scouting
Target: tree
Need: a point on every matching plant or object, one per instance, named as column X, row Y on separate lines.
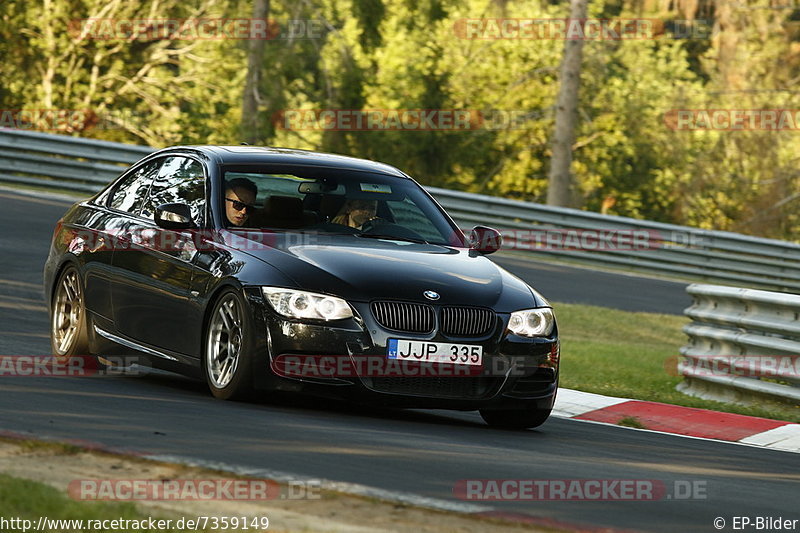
column 560, row 186
column 255, row 63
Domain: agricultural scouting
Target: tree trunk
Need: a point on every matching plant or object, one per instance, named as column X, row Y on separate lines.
column 560, row 187
column 250, row 98
column 727, row 38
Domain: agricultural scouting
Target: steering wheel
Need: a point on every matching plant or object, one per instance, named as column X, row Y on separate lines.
column 372, row 224
column 381, row 226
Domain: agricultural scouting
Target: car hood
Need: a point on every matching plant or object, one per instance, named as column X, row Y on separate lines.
column 359, row 269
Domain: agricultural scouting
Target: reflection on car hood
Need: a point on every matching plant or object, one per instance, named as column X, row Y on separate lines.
column 364, row 270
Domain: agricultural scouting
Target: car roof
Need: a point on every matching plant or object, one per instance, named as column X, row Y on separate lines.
column 256, row 155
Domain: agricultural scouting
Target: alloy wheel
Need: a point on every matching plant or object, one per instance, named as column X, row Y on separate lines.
column 67, row 312
column 225, row 340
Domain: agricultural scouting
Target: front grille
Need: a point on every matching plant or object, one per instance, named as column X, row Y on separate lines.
column 403, row 316
column 436, row 387
column 467, row 321
column 420, row 318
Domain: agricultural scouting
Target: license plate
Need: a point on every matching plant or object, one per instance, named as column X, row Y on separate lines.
column 435, row 352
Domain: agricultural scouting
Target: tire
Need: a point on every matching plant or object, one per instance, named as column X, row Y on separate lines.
column 69, row 332
column 516, row 419
column 228, row 348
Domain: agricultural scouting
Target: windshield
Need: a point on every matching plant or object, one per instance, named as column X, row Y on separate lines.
column 333, row 201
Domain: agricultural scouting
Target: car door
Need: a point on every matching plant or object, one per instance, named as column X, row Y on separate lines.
column 107, row 225
column 152, row 298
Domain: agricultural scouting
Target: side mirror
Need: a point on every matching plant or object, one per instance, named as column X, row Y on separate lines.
column 174, row 216
column 485, row 240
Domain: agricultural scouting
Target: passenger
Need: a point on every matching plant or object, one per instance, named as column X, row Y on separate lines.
column 240, row 197
column 355, row 213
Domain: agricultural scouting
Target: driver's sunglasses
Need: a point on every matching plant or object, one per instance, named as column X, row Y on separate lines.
column 240, row 206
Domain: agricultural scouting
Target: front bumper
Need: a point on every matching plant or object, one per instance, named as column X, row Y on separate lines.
column 348, row 359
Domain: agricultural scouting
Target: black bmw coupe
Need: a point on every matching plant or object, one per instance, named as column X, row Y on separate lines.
column 264, row 269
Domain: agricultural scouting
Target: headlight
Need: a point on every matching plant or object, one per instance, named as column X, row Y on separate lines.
column 532, row 322
column 301, row 304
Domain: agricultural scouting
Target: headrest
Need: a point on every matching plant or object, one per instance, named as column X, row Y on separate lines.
column 331, row 204
column 284, row 212
column 284, row 206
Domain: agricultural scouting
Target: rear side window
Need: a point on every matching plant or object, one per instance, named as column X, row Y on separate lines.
column 180, row 180
column 131, row 192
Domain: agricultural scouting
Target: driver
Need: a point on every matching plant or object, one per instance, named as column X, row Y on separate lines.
column 240, row 195
column 355, row 213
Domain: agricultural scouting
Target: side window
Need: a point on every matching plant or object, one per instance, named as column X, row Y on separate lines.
column 180, row 180
column 132, row 190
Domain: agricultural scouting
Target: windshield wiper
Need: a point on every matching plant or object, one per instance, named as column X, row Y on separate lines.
column 391, row 237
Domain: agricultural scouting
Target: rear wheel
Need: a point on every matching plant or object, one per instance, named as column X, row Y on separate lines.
column 515, row 419
column 228, row 348
column 69, row 334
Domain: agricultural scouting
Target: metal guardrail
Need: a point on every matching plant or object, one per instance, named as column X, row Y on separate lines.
column 680, row 251
column 72, row 163
column 85, row 165
column 744, row 345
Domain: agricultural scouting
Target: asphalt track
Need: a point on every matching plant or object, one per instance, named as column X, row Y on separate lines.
column 561, row 283
column 420, row 452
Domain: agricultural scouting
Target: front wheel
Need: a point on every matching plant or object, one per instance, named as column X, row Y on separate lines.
column 515, row 419
column 228, row 361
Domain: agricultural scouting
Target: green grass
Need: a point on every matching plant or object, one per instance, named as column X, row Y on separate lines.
column 634, row 355
column 29, row 500
column 57, row 448
column 631, row 422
